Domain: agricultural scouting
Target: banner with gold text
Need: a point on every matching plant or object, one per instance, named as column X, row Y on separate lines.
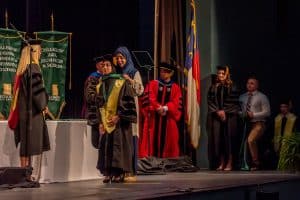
column 53, row 64
column 10, row 45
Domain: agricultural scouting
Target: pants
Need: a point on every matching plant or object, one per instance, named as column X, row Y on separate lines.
column 256, row 131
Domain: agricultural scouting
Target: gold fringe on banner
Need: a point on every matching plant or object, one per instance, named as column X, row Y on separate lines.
column 50, row 114
column 2, row 116
column 61, row 109
column 8, row 37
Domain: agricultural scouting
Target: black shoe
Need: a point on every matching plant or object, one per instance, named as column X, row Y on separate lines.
column 118, row 179
column 106, row 179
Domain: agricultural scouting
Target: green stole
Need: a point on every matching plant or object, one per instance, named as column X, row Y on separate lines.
column 288, row 129
column 111, row 101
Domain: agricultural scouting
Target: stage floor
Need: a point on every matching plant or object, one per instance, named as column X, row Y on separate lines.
column 153, row 186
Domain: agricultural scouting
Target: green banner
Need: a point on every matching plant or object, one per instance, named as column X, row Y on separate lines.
column 10, row 45
column 53, row 65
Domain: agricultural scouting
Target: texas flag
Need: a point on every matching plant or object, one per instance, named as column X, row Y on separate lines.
column 192, row 65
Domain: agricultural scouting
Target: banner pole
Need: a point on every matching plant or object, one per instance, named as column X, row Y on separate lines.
column 52, row 21
column 6, row 18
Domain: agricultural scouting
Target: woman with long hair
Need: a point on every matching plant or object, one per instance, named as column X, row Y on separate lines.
column 222, row 119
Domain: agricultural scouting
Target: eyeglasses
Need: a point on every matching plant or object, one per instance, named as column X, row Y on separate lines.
column 106, row 65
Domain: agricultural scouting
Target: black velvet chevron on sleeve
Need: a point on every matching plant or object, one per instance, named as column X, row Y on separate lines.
column 126, row 107
column 39, row 94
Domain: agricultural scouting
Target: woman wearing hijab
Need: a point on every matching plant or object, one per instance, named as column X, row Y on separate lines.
column 125, row 66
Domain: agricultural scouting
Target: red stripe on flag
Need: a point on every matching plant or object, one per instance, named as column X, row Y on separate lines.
column 196, row 73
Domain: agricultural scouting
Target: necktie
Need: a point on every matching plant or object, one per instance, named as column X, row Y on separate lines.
column 248, row 105
column 283, row 123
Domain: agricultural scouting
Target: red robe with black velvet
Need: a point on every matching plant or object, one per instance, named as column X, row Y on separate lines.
column 160, row 133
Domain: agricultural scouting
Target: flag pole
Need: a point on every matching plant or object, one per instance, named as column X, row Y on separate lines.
column 52, row 21
column 155, row 36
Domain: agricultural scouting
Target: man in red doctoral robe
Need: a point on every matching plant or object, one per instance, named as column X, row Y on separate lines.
column 161, row 108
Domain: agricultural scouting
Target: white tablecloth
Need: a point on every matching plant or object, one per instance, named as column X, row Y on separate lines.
column 71, row 158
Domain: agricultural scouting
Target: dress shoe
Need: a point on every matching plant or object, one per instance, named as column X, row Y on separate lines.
column 118, row 179
column 106, row 179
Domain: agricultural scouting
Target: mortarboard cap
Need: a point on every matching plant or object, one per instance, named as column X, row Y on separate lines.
column 31, row 42
column 34, row 41
column 105, row 57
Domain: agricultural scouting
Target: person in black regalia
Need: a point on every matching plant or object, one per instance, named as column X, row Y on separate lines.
column 117, row 112
column 90, row 108
column 222, row 120
column 26, row 118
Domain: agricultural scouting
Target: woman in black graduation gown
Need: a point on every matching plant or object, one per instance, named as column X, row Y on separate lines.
column 27, row 118
column 222, row 120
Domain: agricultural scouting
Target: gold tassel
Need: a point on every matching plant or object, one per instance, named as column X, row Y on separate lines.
column 50, row 115
column 2, row 116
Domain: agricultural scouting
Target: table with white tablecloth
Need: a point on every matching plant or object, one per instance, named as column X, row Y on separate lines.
column 71, row 158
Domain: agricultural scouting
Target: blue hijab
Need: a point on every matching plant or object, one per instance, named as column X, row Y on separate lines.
column 129, row 66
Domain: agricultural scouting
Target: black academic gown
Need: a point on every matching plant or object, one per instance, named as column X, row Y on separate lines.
column 222, row 135
column 116, row 148
column 36, row 141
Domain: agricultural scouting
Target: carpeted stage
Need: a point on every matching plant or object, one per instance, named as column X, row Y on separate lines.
column 203, row 184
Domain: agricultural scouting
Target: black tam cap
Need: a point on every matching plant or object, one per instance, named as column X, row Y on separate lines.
column 34, row 41
column 106, row 57
column 165, row 65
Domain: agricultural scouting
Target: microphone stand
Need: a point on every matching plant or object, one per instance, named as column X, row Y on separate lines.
column 148, row 113
column 29, row 92
column 148, row 67
column 183, row 93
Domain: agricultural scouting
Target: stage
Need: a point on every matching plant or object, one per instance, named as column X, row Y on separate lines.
column 69, row 172
column 203, row 184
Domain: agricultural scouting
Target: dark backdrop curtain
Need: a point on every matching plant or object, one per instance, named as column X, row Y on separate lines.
column 169, row 39
column 170, row 48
